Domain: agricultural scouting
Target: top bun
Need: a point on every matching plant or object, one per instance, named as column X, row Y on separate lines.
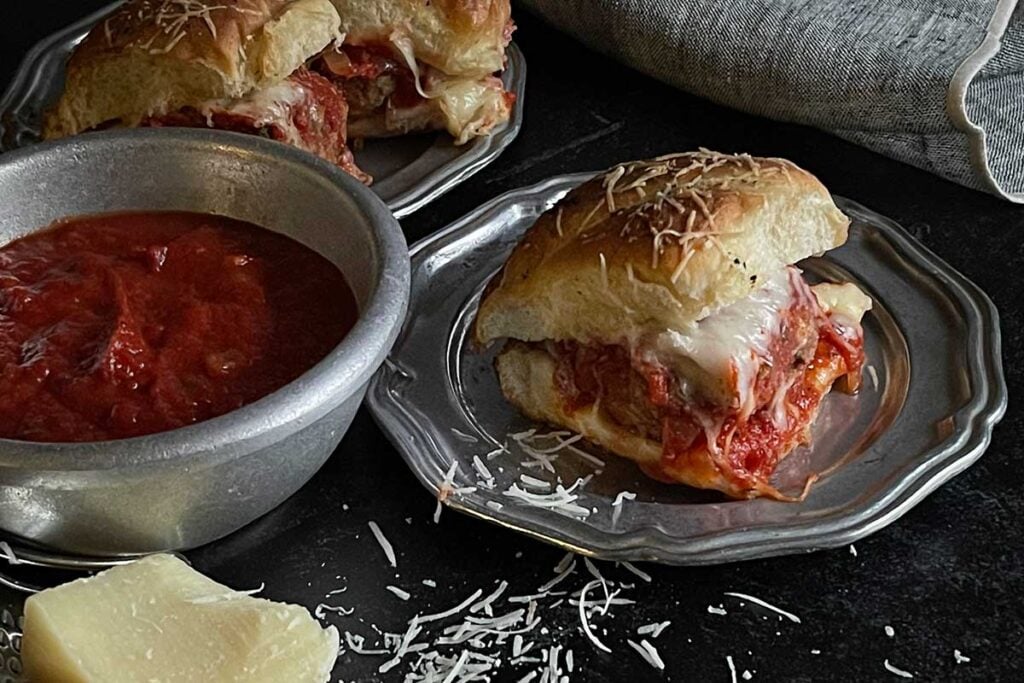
column 151, row 57
column 656, row 245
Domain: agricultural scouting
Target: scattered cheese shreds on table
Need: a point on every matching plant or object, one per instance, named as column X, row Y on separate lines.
column 584, row 620
column 653, row 630
column 321, row 610
column 496, row 634
column 399, row 593
column 476, row 640
column 648, row 652
column 385, row 545
column 758, row 601
column 896, row 670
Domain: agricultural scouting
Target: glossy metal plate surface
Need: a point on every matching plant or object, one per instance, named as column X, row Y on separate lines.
column 933, row 391
column 409, row 172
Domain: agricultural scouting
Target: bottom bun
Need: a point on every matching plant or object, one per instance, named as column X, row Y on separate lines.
column 527, row 376
column 527, row 380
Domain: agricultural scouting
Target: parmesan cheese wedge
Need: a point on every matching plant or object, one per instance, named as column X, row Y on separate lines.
column 158, row 620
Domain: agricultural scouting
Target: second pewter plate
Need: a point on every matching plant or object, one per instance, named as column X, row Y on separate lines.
column 408, row 172
column 933, row 390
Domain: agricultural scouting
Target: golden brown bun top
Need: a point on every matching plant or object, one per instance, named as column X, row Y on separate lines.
column 208, row 30
column 459, row 37
column 153, row 56
column 656, row 245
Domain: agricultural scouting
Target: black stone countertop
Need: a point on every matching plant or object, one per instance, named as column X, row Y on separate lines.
column 949, row 575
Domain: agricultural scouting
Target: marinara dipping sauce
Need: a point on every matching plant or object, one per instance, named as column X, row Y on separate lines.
column 120, row 325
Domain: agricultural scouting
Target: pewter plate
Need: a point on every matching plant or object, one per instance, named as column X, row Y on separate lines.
column 409, row 172
column 932, row 393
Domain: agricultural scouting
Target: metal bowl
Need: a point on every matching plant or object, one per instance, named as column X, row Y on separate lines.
column 183, row 488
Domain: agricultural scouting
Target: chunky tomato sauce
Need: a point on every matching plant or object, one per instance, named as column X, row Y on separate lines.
column 805, row 358
column 314, row 119
column 127, row 324
column 371, row 77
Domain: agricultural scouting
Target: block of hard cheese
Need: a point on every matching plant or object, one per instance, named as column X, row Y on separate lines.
column 158, row 620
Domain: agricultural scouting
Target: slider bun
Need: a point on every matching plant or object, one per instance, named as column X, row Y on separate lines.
column 587, row 273
column 527, row 380
column 459, row 37
column 139, row 62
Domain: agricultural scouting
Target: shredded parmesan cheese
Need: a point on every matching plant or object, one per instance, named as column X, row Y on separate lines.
column 757, row 601
column 896, row 670
column 617, row 504
column 873, row 374
column 322, row 609
column 385, row 545
column 454, row 610
column 399, row 593
column 609, row 185
column 445, row 489
column 634, row 569
column 482, row 469
column 653, row 630
column 583, row 617
column 649, row 653
column 463, row 436
column 8, row 553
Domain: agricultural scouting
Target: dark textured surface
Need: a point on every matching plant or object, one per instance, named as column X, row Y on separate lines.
column 948, row 575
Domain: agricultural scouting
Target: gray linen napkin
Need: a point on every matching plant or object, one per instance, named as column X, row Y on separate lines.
column 935, row 83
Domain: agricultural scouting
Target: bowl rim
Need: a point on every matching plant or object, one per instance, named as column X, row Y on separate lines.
column 332, row 380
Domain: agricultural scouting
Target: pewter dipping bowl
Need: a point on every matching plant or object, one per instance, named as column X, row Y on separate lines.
column 189, row 486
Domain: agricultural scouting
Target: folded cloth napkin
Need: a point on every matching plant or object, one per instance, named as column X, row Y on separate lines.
column 935, row 83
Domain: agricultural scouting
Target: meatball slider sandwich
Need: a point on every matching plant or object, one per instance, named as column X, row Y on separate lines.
column 656, row 311
column 410, row 65
column 236, row 65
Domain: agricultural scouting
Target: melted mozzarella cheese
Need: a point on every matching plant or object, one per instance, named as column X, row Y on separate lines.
column 272, row 105
column 719, row 356
column 845, row 302
column 471, row 108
